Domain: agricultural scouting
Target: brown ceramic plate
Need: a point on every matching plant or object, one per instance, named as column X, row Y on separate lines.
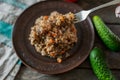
column 34, row 60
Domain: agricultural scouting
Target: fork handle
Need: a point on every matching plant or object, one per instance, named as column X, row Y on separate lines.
column 105, row 5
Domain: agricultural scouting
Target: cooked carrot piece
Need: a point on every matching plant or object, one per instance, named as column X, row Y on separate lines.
column 59, row 60
column 52, row 54
column 54, row 35
column 51, row 41
column 61, row 18
column 45, row 17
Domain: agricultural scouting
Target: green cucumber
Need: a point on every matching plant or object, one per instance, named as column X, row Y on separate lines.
column 111, row 40
column 99, row 65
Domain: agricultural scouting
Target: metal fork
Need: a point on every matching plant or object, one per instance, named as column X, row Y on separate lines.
column 82, row 15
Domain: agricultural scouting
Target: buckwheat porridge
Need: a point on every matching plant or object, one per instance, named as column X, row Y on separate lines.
column 54, row 35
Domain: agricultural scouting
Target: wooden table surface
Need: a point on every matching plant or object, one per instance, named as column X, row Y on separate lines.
column 84, row 71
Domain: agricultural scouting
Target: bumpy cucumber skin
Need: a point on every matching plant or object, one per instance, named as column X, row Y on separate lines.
column 99, row 65
column 111, row 40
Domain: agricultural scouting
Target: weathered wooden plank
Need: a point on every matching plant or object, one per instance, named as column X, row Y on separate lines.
column 108, row 14
column 76, row 74
column 88, row 4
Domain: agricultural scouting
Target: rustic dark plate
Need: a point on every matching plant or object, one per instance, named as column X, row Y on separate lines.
column 46, row 65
